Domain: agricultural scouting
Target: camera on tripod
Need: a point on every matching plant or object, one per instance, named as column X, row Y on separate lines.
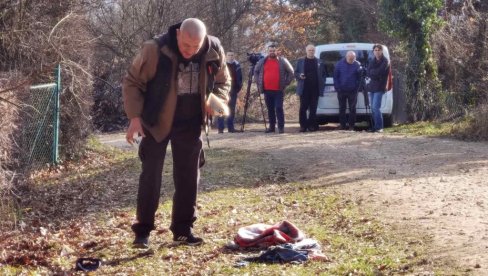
column 253, row 58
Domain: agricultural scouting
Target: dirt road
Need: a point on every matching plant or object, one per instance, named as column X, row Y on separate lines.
column 438, row 187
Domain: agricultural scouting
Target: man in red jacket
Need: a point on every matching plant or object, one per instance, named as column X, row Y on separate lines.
column 273, row 74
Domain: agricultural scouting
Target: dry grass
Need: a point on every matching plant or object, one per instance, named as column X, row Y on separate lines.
column 475, row 126
column 9, row 97
column 91, row 208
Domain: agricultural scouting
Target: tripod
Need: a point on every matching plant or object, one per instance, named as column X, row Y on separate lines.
column 366, row 100
column 248, row 93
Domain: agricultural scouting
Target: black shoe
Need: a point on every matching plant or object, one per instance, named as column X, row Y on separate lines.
column 270, row 130
column 303, row 129
column 314, row 128
column 281, row 130
column 141, row 242
column 221, row 131
column 231, row 130
column 187, row 240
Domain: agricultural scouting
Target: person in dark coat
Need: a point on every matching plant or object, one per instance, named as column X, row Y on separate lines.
column 236, row 76
column 378, row 71
column 347, row 78
column 310, row 75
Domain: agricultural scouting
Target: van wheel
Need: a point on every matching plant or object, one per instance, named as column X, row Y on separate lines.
column 387, row 121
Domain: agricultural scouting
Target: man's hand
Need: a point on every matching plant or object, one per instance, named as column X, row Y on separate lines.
column 135, row 126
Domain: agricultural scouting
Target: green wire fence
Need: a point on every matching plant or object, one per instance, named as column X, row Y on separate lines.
column 40, row 133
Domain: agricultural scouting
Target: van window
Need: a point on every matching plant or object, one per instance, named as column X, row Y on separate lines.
column 330, row 58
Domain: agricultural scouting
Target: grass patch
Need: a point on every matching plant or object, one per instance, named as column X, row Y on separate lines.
column 238, row 188
column 423, row 128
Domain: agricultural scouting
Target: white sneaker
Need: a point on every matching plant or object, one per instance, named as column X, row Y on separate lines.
column 380, row 130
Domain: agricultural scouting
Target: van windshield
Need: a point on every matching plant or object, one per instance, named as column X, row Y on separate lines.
column 330, row 58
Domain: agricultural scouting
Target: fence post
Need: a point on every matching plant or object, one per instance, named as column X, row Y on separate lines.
column 55, row 157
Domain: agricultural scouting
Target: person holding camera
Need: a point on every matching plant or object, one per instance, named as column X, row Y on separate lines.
column 236, row 86
column 273, row 74
column 165, row 96
column 377, row 73
column 310, row 75
column 347, row 79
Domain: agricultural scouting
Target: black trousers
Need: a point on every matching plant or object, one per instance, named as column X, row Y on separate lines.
column 186, row 146
column 308, row 101
column 351, row 99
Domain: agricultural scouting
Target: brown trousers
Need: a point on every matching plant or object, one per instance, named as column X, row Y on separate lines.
column 186, row 146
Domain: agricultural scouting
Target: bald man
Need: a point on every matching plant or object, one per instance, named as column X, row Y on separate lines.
column 165, row 92
column 347, row 77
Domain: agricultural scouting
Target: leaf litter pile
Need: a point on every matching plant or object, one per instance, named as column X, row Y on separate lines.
column 85, row 209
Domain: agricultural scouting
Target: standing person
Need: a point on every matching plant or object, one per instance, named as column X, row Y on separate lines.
column 165, row 93
column 310, row 75
column 236, row 77
column 378, row 71
column 273, row 74
column 347, row 78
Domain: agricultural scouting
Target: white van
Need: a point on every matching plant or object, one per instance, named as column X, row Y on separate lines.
column 328, row 107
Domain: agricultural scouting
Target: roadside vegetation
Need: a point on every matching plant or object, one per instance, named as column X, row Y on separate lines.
column 473, row 127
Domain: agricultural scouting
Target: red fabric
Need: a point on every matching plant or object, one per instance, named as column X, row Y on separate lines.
column 264, row 235
column 389, row 82
column 271, row 74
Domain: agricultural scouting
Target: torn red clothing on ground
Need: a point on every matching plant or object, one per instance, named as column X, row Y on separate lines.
column 264, row 235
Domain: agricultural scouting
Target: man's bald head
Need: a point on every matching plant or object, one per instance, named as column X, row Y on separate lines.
column 190, row 37
column 194, row 27
column 350, row 57
column 310, row 50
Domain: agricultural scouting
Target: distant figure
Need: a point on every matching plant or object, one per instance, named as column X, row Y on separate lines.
column 236, row 76
column 310, row 75
column 273, row 74
column 378, row 71
column 347, row 78
column 165, row 92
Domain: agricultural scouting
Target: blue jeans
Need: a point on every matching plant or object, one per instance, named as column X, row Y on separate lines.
column 375, row 100
column 230, row 118
column 274, row 104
